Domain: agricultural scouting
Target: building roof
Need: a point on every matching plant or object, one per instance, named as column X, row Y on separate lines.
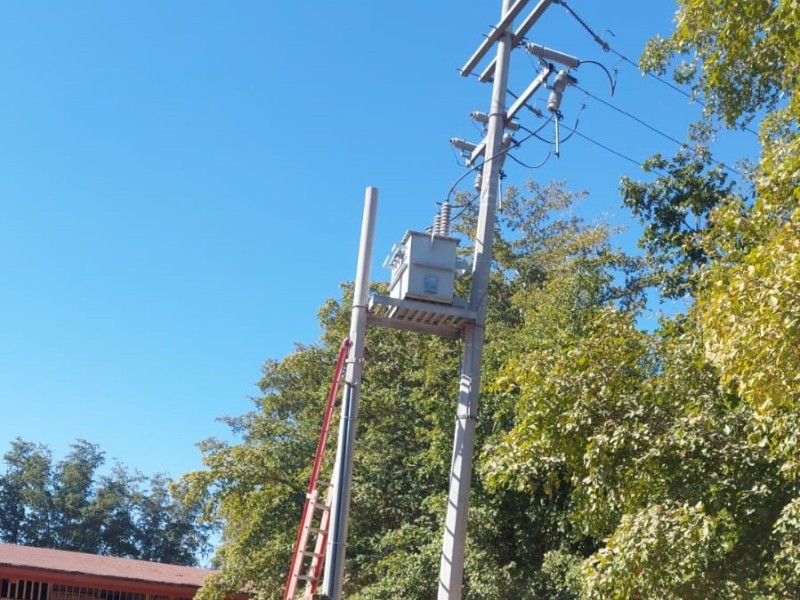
column 80, row 563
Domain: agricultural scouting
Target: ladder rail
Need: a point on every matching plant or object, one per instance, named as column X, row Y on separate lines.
column 312, row 493
column 317, row 562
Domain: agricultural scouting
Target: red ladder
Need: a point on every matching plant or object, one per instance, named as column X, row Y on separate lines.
column 313, row 505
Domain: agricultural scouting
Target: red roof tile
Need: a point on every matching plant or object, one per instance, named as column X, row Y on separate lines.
column 104, row 566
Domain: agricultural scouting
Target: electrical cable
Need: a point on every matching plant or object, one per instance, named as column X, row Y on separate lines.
column 616, row 153
column 464, row 208
column 460, row 179
column 603, row 44
column 457, row 158
column 535, row 111
column 607, row 47
column 630, row 116
column 527, row 166
column 497, row 155
column 607, row 149
column 651, row 127
column 670, row 85
column 612, row 80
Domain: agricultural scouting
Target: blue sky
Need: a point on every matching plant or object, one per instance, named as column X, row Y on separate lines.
column 181, row 185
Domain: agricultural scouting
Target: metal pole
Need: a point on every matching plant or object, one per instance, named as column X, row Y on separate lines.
column 343, row 468
column 451, row 569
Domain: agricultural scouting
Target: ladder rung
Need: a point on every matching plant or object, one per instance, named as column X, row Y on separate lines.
column 314, row 554
column 317, row 530
column 310, row 578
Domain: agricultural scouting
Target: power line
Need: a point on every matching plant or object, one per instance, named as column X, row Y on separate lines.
column 607, row 47
column 651, row 127
column 502, row 152
column 630, row 116
column 603, row 44
column 614, row 152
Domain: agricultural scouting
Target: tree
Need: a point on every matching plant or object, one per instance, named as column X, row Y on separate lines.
column 256, row 487
column 69, row 505
column 26, row 512
column 679, row 447
column 614, row 462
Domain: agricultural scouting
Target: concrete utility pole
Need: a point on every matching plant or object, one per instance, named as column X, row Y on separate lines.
column 451, row 570
column 343, row 468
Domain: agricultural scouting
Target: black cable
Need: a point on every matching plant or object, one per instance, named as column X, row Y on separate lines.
column 607, row 149
column 464, row 208
column 612, row 151
column 611, row 80
column 657, row 78
column 457, row 157
column 630, row 116
column 651, row 128
column 550, row 120
column 497, row 155
column 460, row 179
column 605, row 46
column 527, row 166
column 535, row 111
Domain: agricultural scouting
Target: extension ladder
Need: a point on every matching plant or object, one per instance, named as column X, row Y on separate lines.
column 316, row 511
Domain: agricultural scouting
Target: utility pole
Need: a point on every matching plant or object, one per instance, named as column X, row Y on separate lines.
column 451, row 570
column 493, row 148
column 343, row 468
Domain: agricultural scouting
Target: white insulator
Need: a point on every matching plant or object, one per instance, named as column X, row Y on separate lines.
column 437, row 224
column 463, row 144
column 478, row 182
column 444, row 221
column 554, row 55
column 562, row 80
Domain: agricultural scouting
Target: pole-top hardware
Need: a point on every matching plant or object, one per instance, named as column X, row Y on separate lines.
column 549, row 54
column 483, row 118
column 560, row 83
column 462, row 144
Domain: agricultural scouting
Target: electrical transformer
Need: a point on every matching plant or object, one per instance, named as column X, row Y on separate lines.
column 423, row 267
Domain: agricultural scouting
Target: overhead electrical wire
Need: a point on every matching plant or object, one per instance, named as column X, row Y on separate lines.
column 497, row 155
column 651, row 127
column 603, row 44
column 574, row 130
column 607, row 47
column 527, row 166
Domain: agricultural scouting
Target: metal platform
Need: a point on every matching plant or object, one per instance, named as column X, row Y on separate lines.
column 423, row 317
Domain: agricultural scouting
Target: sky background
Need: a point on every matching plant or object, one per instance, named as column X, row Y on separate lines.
column 181, row 186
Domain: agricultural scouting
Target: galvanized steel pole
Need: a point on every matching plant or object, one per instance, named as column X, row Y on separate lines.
column 343, row 468
column 451, row 570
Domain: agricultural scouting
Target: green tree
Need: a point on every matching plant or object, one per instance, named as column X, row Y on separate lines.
column 679, row 447
column 256, row 487
column 71, row 506
column 27, row 510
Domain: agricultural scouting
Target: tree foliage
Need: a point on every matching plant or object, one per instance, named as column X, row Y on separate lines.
column 613, row 462
column 71, row 505
column 679, row 446
column 256, row 487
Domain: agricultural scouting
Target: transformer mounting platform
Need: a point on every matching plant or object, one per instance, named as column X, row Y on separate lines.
column 444, row 320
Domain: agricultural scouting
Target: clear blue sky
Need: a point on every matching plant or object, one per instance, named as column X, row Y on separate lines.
column 181, row 185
